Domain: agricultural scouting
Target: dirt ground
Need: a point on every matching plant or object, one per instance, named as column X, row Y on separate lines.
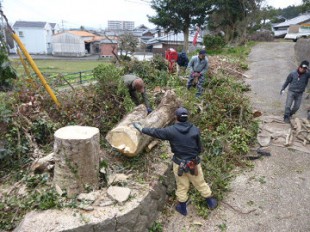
column 275, row 194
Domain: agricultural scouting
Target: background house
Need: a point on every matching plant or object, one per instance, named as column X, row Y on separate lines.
column 107, row 47
column 36, row 36
column 170, row 40
column 281, row 29
column 67, row 44
column 75, row 43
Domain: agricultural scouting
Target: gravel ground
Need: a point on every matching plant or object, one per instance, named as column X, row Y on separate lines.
column 275, row 194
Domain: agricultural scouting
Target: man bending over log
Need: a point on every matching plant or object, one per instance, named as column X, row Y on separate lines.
column 184, row 140
column 135, row 84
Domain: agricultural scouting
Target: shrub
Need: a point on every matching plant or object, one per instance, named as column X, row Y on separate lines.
column 262, row 36
column 214, row 42
column 7, row 73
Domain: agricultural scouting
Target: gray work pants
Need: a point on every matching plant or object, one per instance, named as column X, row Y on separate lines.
column 201, row 80
column 293, row 102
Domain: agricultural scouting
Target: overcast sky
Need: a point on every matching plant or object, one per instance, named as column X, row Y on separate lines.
column 90, row 13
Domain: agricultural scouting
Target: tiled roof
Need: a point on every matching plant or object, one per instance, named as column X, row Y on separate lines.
column 107, row 41
column 29, row 24
column 297, row 20
column 96, row 38
column 82, row 33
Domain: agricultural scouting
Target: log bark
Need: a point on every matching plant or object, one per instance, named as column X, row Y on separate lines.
column 76, row 154
column 127, row 140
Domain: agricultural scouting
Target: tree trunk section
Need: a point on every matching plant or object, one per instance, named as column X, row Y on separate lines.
column 76, row 153
column 129, row 141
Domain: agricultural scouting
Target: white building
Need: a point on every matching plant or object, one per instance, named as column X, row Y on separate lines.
column 114, row 25
column 36, row 36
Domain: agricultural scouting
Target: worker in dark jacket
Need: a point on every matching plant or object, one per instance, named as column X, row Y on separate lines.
column 297, row 81
column 135, row 84
column 184, row 140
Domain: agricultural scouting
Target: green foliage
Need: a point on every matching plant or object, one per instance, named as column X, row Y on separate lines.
column 179, row 16
column 233, row 17
column 222, row 227
column 152, row 72
column 159, row 63
column 238, row 54
column 7, row 73
column 43, row 131
column 222, row 113
column 240, row 139
column 175, row 15
column 214, row 42
column 107, row 76
column 156, row 227
column 39, row 194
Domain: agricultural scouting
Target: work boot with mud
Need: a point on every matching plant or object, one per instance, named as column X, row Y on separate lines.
column 181, row 208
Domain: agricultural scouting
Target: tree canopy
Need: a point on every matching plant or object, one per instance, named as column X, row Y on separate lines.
column 233, row 16
column 180, row 15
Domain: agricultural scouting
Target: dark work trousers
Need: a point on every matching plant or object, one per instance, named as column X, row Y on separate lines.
column 201, row 80
column 292, row 99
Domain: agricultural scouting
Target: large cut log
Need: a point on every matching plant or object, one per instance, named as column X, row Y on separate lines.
column 127, row 140
column 76, row 154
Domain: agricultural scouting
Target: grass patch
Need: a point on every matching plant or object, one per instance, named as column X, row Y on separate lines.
column 59, row 66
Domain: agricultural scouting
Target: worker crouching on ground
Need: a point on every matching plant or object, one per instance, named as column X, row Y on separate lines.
column 198, row 66
column 136, row 85
column 184, row 140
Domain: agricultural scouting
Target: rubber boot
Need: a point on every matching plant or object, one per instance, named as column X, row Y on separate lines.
column 181, row 208
column 286, row 119
column 211, row 202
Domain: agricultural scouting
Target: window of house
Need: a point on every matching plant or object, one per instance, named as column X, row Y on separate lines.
column 21, row 34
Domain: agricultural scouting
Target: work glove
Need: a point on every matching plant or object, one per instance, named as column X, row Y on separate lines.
column 282, row 91
column 196, row 74
column 138, row 126
column 149, row 110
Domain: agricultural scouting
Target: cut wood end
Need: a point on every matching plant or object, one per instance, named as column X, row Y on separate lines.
column 124, row 139
column 76, row 132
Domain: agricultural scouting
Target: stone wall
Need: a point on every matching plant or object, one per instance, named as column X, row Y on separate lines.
column 302, row 50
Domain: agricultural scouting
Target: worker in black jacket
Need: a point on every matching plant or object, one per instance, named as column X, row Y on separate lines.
column 184, row 140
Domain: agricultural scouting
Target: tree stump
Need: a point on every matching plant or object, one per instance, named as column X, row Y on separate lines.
column 76, row 153
column 129, row 141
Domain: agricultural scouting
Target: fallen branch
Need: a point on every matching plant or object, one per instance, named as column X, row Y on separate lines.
column 238, row 210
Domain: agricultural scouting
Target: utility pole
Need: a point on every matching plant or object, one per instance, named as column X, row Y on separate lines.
column 62, row 25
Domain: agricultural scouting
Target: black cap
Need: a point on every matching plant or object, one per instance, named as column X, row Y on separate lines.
column 182, row 114
column 304, row 64
column 202, row 52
